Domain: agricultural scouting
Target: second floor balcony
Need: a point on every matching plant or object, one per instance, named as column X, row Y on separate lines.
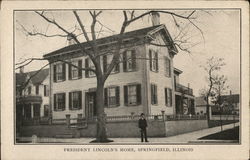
column 29, row 99
column 183, row 89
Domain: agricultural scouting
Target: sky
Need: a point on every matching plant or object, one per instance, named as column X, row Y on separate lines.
column 216, row 33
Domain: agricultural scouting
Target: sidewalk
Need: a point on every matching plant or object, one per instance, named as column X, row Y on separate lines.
column 191, row 137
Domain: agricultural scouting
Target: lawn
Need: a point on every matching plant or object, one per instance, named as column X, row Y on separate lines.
column 230, row 134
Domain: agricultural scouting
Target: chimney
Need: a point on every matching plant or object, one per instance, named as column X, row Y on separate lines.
column 70, row 40
column 155, row 18
column 21, row 69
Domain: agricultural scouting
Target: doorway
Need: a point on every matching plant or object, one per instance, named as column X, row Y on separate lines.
column 91, row 110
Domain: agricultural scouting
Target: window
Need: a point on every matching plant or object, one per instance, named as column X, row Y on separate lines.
column 153, row 57
column 129, row 61
column 106, row 62
column 168, row 97
column 132, row 95
column 37, row 89
column 59, row 102
column 46, row 110
column 59, row 72
column 112, row 96
column 75, row 100
column 29, row 90
column 75, row 72
column 154, row 94
column 89, row 64
column 46, row 90
column 167, row 67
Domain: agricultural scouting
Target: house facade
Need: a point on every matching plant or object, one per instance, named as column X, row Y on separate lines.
column 32, row 95
column 184, row 98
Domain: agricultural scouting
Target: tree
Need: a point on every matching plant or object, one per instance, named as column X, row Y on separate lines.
column 215, row 82
column 94, row 53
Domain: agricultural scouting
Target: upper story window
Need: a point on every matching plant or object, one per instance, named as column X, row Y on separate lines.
column 167, row 67
column 75, row 100
column 29, row 90
column 46, row 90
column 89, row 64
column 112, row 96
column 132, row 95
column 106, row 62
column 168, row 97
column 75, row 72
column 59, row 72
column 153, row 60
column 37, row 89
column 59, row 102
column 129, row 60
column 154, row 99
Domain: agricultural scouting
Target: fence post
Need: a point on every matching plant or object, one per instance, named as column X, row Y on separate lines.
column 163, row 115
column 68, row 120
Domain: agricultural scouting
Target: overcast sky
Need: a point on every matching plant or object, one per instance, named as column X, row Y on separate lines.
column 221, row 32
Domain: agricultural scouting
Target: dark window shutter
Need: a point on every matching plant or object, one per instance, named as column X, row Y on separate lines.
column 170, row 93
column 124, row 59
column 156, row 59
column 80, row 68
column 86, row 67
column 64, row 71
column 169, row 67
column 156, row 98
column 117, row 95
column 133, row 59
column 125, row 95
column 54, row 72
column 117, row 67
column 138, row 94
column 44, row 90
column 70, row 73
column 166, row 96
column 70, row 101
column 55, row 102
column 64, row 102
column 150, row 59
column 105, row 97
column 80, row 99
column 152, row 94
column 105, row 63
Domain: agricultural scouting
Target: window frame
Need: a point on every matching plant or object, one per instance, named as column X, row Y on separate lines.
column 71, row 100
column 168, row 97
column 63, row 101
column 46, row 90
column 37, row 89
column 116, row 96
column 106, row 60
column 154, row 94
column 153, row 60
column 61, row 74
column 137, row 95
column 167, row 67
column 132, row 65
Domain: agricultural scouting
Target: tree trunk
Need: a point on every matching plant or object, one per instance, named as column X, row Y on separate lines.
column 101, row 132
column 208, row 112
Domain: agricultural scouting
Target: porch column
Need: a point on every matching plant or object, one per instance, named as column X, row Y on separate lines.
column 32, row 110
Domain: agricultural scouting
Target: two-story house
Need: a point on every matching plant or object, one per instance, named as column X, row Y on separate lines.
column 32, row 95
column 143, row 82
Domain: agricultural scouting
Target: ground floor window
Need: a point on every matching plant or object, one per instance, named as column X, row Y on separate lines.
column 59, row 101
column 132, row 94
column 168, row 97
column 154, row 99
column 112, row 96
column 46, row 110
column 75, row 100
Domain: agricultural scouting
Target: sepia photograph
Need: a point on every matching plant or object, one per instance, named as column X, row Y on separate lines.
column 127, row 76
column 124, row 80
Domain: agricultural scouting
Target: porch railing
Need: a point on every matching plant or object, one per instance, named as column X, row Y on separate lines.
column 183, row 89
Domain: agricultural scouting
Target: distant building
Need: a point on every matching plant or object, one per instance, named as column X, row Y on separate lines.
column 230, row 105
column 32, row 95
column 200, row 106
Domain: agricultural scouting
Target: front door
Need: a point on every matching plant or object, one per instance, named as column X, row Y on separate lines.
column 91, row 110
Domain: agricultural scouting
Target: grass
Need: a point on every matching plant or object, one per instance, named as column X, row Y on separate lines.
column 215, row 123
column 230, row 134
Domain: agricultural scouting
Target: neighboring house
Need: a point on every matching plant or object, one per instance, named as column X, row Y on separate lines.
column 32, row 95
column 184, row 98
column 230, row 105
column 144, row 82
column 200, row 106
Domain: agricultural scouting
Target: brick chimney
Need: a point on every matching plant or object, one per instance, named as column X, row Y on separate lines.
column 155, row 18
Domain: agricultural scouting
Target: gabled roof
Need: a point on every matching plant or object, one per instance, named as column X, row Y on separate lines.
column 22, row 78
column 132, row 34
column 200, row 101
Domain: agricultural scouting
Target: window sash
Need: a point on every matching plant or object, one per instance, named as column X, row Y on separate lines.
column 60, row 101
column 132, row 97
column 167, row 67
column 74, row 70
column 59, row 72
